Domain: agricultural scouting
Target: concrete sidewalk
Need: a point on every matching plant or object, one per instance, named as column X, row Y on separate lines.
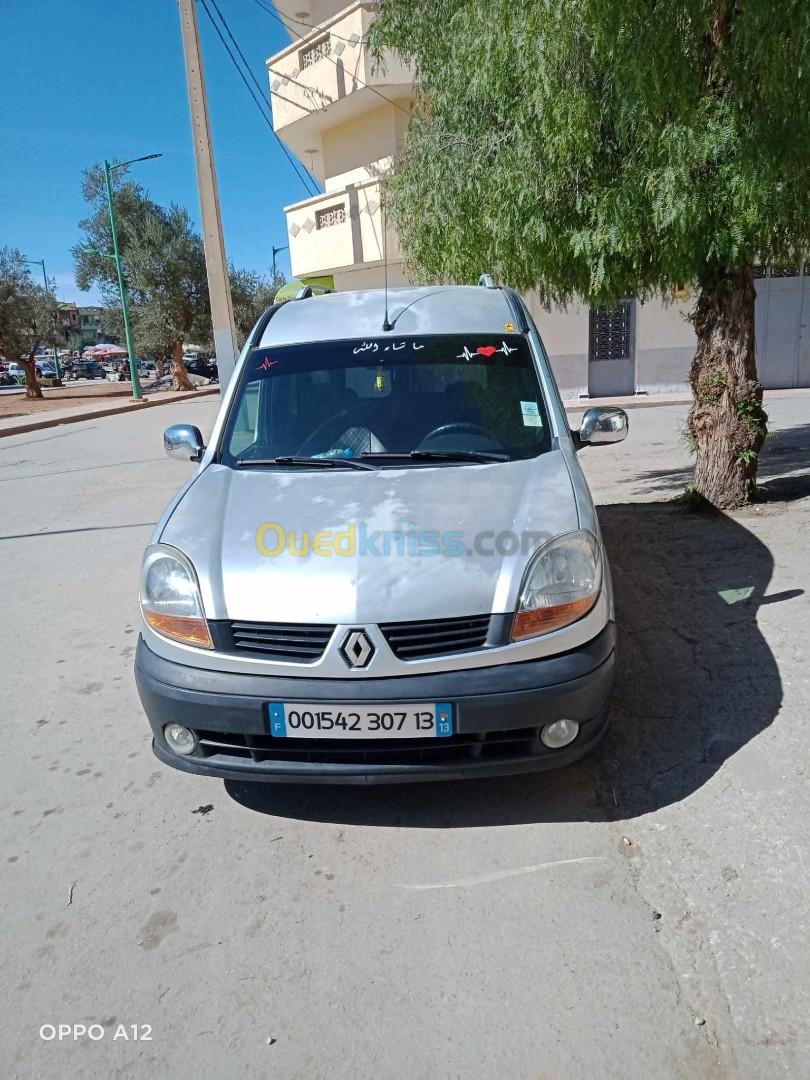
column 646, row 401
column 93, row 409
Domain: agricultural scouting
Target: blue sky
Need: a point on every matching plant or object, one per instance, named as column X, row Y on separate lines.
column 105, row 78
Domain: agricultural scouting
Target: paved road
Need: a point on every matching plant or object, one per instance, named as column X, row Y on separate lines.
column 644, row 914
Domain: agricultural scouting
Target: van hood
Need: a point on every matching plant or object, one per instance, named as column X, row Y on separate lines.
column 391, row 545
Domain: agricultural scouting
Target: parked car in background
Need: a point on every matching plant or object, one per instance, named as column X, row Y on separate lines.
column 196, row 365
column 87, row 369
column 46, row 369
column 16, row 372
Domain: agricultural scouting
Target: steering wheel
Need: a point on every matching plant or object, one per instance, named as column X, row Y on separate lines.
column 461, row 427
column 312, row 437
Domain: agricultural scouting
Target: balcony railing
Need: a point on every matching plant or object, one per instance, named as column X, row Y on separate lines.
column 330, row 70
column 338, row 230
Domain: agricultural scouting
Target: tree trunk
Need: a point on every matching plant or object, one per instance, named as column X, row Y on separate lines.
column 32, row 387
column 180, row 379
column 160, row 365
column 727, row 423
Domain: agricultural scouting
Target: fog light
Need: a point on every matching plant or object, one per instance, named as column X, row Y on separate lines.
column 558, row 734
column 181, row 739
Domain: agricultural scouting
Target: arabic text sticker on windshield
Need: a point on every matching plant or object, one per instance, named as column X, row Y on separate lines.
column 531, row 414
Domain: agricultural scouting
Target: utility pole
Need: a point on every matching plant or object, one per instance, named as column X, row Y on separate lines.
column 216, row 262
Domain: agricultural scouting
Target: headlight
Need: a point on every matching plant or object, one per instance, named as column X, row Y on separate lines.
column 170, row 597
column 561, row 584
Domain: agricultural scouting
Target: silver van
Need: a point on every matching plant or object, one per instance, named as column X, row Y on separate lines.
column 387, row 566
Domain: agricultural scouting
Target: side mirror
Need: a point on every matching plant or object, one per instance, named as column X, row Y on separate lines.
column 606, row 425
column 184, row 442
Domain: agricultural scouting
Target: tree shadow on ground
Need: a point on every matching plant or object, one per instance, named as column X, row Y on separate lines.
column 783, row 471
column 695, row 682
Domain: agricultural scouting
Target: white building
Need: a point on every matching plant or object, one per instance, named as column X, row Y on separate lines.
column 346, row 121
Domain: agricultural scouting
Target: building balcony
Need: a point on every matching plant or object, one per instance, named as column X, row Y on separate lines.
column 341, row 230
column 327, row 77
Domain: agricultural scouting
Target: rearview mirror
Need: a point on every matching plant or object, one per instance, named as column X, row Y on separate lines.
column 184, row 442
column 606, row 425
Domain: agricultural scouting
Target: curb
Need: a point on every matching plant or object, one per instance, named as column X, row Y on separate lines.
column 110, row 410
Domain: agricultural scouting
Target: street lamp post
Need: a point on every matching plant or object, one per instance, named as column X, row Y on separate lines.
column 109, row 169
column 41, row 262
column 276, row 250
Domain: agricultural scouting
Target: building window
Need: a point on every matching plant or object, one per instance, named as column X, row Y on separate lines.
column 611, row 332
column 313, row 53
column 330, row 215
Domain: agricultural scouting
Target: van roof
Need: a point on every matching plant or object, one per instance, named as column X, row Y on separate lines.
column 440, row 309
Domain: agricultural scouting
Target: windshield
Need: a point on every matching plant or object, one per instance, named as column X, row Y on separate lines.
column 447, row 396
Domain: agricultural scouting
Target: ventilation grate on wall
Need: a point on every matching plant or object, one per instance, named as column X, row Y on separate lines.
column 313, row 53
column 329, row 216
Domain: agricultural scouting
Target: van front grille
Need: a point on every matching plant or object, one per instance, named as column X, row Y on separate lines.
column 436, row 637
column 293, row 642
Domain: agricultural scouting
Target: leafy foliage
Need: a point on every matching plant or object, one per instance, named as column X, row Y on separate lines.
column 164, row 263
column 602, row 148
column 27, row 314
column 251, row 294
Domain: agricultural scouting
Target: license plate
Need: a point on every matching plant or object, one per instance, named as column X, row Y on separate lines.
column 293, row 720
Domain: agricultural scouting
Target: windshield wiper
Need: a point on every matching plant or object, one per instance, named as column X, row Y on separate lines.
column 317, row 463
column 440, row 455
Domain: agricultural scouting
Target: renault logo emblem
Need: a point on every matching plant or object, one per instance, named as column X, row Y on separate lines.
column 357, row 649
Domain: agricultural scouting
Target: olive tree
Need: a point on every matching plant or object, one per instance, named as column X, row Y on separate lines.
column 164, row 264
column 608, row 148
column 251, row 294
column 27, row 316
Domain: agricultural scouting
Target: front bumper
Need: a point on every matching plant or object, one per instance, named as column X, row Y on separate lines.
column 498, row 715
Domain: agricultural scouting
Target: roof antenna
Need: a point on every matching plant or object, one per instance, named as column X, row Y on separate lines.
column 387, row 325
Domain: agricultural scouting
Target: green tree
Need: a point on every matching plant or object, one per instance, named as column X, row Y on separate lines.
column 167, row 263
column 27, row 316
column 606, row 148
column 251, row 294
column 164, row 264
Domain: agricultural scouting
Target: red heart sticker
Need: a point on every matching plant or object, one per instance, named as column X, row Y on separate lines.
column 486, row 350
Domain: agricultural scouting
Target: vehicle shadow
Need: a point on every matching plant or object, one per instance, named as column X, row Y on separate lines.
column 695, row 682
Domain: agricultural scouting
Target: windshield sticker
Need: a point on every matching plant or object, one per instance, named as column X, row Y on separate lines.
column 531, row 414
column 266, row 364
column 374, row 346
column 486, row 351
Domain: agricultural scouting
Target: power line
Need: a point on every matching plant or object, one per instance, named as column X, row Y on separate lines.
column 253, row 77
column 247, row 66
column 260, row 103
column 275, row 15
